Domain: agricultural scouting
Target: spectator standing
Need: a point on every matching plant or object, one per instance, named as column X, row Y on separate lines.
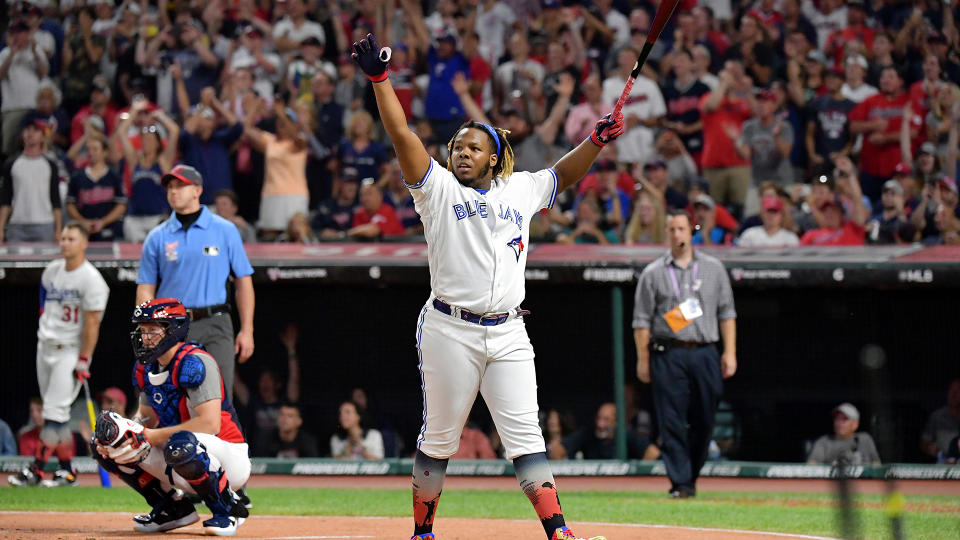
column 827, row 17
column 925, row 91
column 73, row 296
column 942, row 424
column 48, row 105
column 359, row 150
column 22, row 66
column 374, row 219
column 82, row 51
column 513, row 78
column 682, row 96
column 599, row 441
column 766, row 141
column 883, row 226
column 642, row 110
column 172, row 260
column 878, row 118
column 99, row 105
column 724, row 110
column 227, row 205
column 855, row 87
column 828, row 125
column 771, row 233
column 854, row 33
column 208, row 133
column 582, row 117
column 30, row 189
column 352, row 440
column 264, row 65
column 147, row 204
column 289, row 441
column 846, row 446
column 291, row 30
column 285, row 190
column 95, row 196
column 684, row 304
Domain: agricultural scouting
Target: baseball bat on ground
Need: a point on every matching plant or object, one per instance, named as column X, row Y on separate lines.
column 104, row 476
column 664, row 12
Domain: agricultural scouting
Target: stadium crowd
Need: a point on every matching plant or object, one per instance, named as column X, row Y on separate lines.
column 774, row 123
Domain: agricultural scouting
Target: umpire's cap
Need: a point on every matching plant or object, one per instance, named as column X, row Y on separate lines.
column 184, row 173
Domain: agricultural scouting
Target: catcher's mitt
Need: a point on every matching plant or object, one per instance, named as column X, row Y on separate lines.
column 123, row 438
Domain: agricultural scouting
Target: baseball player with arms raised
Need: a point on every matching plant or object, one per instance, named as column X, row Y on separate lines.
column 185, row 435
column 470, row 334
column 73, row 296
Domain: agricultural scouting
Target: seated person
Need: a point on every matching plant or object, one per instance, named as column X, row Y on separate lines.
column 845, row 443
column 709, row 232
column 474, row 444
column 837, row 230
column 374, row 219
column 942, row 425
column 352, row 440
column 334, row 216
column 771, row 233
column 588, row 229
column 288, row 440
column 599, row 442
column 884, row 224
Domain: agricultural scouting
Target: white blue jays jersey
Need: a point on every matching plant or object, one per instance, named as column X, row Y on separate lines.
column 65, row 296
column 477, row 242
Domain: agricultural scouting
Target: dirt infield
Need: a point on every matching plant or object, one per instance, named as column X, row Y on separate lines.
column 85, row 525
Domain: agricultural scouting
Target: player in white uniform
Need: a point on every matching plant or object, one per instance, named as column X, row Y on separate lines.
column 470, row 334
column 73, row 296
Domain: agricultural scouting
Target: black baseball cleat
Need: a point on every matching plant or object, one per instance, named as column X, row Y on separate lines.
column 683, row 492
column 171, row 513
column 244, row 499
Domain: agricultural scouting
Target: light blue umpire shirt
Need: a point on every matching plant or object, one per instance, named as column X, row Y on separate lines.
column 193, row 265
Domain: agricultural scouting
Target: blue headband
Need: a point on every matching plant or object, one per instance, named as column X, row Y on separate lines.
column 493, row 133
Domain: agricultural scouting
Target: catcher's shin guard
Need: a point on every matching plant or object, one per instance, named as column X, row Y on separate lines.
column 187, row 456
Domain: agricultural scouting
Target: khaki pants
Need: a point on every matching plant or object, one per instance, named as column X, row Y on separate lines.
column 728, row 186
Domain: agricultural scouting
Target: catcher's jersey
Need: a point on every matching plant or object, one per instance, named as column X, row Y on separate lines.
column 65, row 295
column 477, row 242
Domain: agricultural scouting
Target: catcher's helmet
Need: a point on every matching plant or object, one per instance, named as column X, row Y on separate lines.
column 171, row 315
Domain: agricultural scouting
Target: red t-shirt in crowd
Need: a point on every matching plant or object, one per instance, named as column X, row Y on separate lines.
column 480, row 72
column 880, row 160
column 718, row 148
column 385, row 218
column 850, row 234
column 839, row 38
column 401, row 78
column 625, row 183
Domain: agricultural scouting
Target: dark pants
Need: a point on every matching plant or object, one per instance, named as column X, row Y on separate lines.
column 871, row 186
column 216, row 335
column 686, row 388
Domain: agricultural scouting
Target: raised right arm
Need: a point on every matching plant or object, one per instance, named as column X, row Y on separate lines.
column 413, row 157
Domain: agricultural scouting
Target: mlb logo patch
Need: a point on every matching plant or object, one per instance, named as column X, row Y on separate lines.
column 212, row 251
column 170, row 249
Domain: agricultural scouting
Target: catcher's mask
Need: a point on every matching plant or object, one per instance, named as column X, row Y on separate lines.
column 172, row 317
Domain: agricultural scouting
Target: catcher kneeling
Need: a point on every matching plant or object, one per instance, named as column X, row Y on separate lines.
column 185, row 436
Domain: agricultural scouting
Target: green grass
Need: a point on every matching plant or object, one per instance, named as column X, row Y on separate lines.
column 933, row 517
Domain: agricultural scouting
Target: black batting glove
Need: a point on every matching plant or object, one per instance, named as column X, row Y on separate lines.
column 607, row 129
column 371, row 58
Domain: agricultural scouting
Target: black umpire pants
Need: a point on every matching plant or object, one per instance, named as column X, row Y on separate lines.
column 686, row 389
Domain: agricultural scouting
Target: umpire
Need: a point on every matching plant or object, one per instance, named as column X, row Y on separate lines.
column 680, row 298
column 189, row 257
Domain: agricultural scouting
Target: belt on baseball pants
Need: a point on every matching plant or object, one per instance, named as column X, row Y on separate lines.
column 198, row 313
column 492, row 319
column 663, row 344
